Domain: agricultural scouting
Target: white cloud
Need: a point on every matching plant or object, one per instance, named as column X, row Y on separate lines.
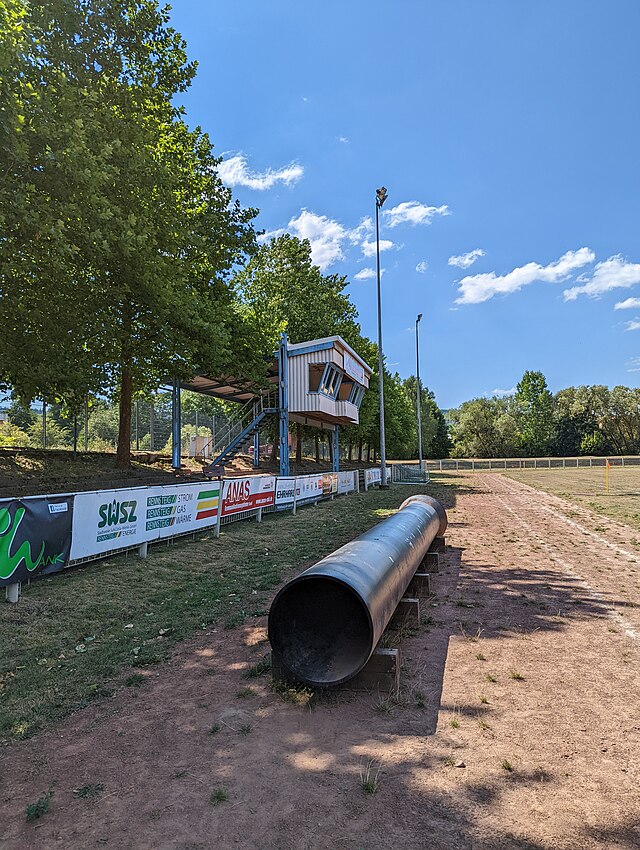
column 413, row 212
column 325, row 235
column 235, row 172
column 369, row 248
column 628, row 304
column 503, row 393
column 633, row 365
column 463, row 261
column 343, row 140
column 364, row 229
column 422, row 267
column 633, row 325
column 367, row 274
column 614, row 273
column 475, row 289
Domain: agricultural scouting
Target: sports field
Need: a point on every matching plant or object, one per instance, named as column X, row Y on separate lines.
column 587, row 487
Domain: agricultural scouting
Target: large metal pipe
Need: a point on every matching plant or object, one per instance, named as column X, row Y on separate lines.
column 325, row 624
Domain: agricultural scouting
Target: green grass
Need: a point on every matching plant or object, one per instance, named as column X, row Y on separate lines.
column 89, row 792
column 178, row 589
column 35, row 810
column 218, row 796
column 586, row 487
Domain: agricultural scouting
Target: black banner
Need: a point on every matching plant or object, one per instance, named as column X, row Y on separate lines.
column 35, row 537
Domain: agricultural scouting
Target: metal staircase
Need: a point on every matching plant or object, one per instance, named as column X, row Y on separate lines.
column 240, row 432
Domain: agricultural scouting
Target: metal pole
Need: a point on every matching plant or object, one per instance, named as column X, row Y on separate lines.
column 137, row 430
column 86, row 423
column 419, row 393
column 44, row 423
column 151, row 428
column 381, row 195
column 175, row 425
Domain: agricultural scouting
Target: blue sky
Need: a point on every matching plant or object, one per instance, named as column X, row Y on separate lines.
column 508, row 136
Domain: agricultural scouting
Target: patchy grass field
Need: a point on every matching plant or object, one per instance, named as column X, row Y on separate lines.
column 76, row 635
column 586, row 487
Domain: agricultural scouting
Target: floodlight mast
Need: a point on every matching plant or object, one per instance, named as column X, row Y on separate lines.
column 381, row 197
column 419, row 390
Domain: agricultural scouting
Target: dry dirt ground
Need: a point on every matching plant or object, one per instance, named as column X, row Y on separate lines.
column 518, row 725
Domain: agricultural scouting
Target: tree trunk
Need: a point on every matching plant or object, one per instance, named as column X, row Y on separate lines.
column 298, row 443
column 350, row 451
column 331, row 450
column 359, row 451
column 368, row 452
column 317, row 442
column 123, row 452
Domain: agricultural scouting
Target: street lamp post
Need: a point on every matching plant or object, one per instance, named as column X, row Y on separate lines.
column 381, row 197
column 419, row 393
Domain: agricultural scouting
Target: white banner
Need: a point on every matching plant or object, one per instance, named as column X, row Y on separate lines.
column 353, row 368
column 309, row 487
column 285, row 488
column 116, row 519
column 109, row 519
column 346, row 482
column 182, row 507
column 373, row 476
column 246, row 494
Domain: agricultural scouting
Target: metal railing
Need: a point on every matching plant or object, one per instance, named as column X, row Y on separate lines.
column 250, row 411
column 496, row 464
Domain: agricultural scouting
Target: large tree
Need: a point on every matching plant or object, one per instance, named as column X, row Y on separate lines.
column 120, row 235
column 535, row 411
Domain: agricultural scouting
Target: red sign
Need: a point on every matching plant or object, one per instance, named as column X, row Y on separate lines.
column 247, row 494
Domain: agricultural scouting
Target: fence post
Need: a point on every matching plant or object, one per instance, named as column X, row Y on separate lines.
column 489, row 464
column 590, row 462
column 549, row 463
column 357, row 475
column 219, row 517
column 143, row 549
column 622, row 459
column 457, row 466
column 440, row 466
column 12, row 592
column 473, row 465
column 564, row 463
column 535, row 463
column 295, row 495
column 259, row 515
column 366, row 483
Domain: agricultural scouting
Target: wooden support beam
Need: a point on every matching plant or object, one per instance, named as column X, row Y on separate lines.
column 381, row 672
column 430, row 563
column 439, row 544
column 407, row 614
column 420, row 586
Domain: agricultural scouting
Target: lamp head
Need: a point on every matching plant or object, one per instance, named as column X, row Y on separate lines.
column 381, row 196
column 419, row 318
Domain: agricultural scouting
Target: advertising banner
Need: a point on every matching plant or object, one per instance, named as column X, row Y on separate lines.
column 309, row 487
column 182, row 507
column 373, row 476
column 246, row 494
column 110, row 519
column 346, row 482
column 117, row 519
column 285, row 488
column 35, row 537
column 329, row 483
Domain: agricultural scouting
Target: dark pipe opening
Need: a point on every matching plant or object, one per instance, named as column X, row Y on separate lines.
column 321, row 630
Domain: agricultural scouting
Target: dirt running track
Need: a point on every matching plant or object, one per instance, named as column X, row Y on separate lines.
column 551, row 760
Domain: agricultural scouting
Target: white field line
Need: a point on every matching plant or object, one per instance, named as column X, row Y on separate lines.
column 613, row 613
column 571, row 522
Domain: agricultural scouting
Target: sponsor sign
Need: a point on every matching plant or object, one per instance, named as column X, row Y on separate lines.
column 116, row 519
column 353, row 368
column 246, row 494
column 346, row 482
column 310, row 487
column 110, row 519
column 285, row 489
column 329, row 483
column 182, row 508
column 35, row 537
column 373, row 476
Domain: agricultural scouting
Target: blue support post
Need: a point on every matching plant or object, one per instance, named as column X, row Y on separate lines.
column 335, row 450
column 176, row 419
column 283, row 405
column 256, row 441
